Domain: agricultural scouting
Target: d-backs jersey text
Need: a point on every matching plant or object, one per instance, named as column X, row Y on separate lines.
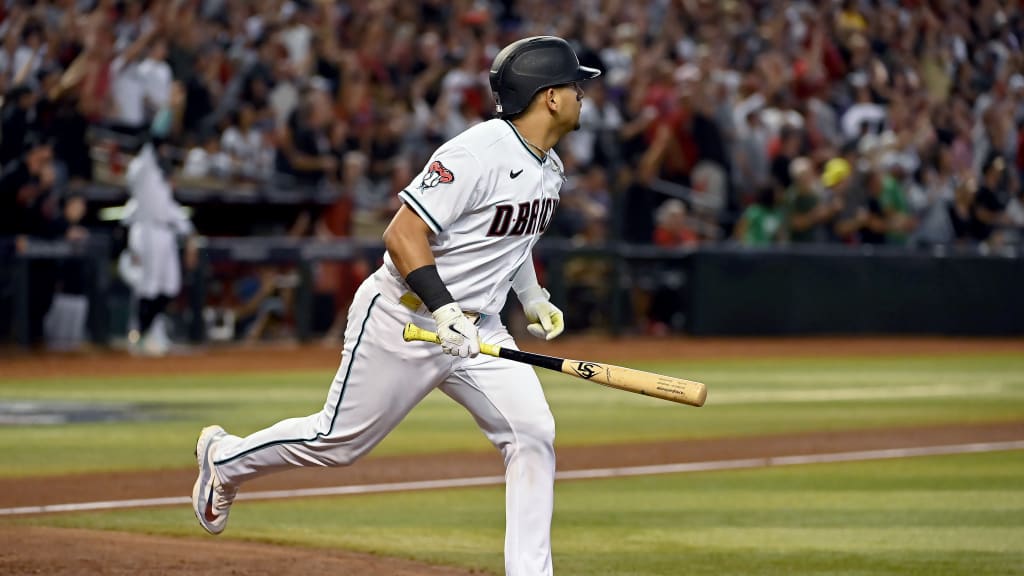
column 487, row 197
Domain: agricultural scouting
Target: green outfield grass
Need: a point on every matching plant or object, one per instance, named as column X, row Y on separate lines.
column 951, row 515
column 745, row 397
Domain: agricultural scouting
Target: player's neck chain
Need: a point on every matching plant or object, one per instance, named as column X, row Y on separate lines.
column 543, row 152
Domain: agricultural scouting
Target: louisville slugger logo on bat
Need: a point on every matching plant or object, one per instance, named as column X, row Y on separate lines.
column 587, row 370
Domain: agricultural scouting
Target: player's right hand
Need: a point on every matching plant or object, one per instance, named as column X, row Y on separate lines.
column 458, row 334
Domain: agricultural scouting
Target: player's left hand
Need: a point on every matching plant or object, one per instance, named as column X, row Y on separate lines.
column 547, row 321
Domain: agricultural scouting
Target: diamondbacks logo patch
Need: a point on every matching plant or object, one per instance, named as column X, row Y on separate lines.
column 436, row 174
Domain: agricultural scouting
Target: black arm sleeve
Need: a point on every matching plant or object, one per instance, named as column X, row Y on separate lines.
column 427, row 284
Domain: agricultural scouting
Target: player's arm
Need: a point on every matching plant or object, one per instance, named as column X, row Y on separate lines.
column 407, row 240
column 546, row 320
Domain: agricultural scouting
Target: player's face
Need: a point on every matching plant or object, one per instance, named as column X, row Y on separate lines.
column 573, row 103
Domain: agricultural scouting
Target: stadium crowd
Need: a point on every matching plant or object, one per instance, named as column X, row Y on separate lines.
column 759, row 122
column 854, row 121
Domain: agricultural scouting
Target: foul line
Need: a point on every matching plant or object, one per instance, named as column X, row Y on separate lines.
column 593, row 473
column 786, row 396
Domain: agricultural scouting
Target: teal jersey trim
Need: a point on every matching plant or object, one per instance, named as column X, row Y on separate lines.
column 421, row 211
column 341, row 397
column 525, row 145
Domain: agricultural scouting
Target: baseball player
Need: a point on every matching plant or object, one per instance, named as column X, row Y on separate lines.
column 462, row 238
column 150, row 264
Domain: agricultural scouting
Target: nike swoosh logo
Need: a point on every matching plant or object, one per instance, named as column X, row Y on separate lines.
column 514, row 175
column 210, row 516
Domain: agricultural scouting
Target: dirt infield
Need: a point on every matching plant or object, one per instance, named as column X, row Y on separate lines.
column 31, row 550
column 88, row 552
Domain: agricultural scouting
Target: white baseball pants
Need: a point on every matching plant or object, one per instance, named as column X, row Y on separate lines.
column 156, row 246
column 381, row 378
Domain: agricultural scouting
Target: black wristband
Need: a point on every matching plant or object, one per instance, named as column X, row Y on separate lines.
column 427, row 284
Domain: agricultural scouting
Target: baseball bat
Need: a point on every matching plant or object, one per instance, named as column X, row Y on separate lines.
column 628, row 379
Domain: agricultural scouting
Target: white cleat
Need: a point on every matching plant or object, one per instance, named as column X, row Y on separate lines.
column 211, row 500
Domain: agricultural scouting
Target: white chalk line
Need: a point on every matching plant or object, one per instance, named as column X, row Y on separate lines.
column 847, row 394
column 593, row 473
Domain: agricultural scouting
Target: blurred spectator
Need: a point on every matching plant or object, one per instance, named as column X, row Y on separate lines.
column 960, row 210
column 586, row 278
column 265, row 304
column 24, row 183
column 296, row 35
column 789, row 145
column 895, row 204
column 877, row 223
column 16, row 122
column 371, row 204
column 71, row 142
column 338, row 280
column 938, row 186
column 763, row 222
column 207, row 160
column 808, row 212
column 156, row 74
column 31, row 209
column 247, row 145
column 750, row 148
column 31, row 51
column 673, row 230
column 593, row 189
column 864, row 116
column 202, row 92
column 305, row 144
column 64, row 322
column 596, row 143
column 709, row 176
column 844, row 194
column 585, row 199
column 988, row 210
column 673, row 226
column 141, row 83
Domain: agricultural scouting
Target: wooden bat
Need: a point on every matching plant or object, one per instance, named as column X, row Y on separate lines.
column 628, row 379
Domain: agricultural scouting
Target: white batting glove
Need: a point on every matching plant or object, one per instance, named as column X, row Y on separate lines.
column 547, row 321
column 459, row 336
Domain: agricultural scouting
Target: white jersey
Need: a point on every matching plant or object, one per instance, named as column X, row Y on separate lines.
column 487, row 197
column 152, row 200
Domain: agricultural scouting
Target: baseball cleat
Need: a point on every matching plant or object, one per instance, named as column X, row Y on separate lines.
column 211, row 500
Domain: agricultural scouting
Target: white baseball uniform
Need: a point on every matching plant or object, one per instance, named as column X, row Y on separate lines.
column 487, row 198
column 155, row 220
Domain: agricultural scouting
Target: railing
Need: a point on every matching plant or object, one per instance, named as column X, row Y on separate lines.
column 17, row 260
column 778, row 289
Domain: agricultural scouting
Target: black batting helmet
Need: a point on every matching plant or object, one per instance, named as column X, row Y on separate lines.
column 530, row 65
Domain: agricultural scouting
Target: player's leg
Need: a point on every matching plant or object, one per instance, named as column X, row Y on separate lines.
column 508, row 403
column 142, row 249
column 161, row 268
column 147, row 312
column 168, row 286
column 380, row 379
